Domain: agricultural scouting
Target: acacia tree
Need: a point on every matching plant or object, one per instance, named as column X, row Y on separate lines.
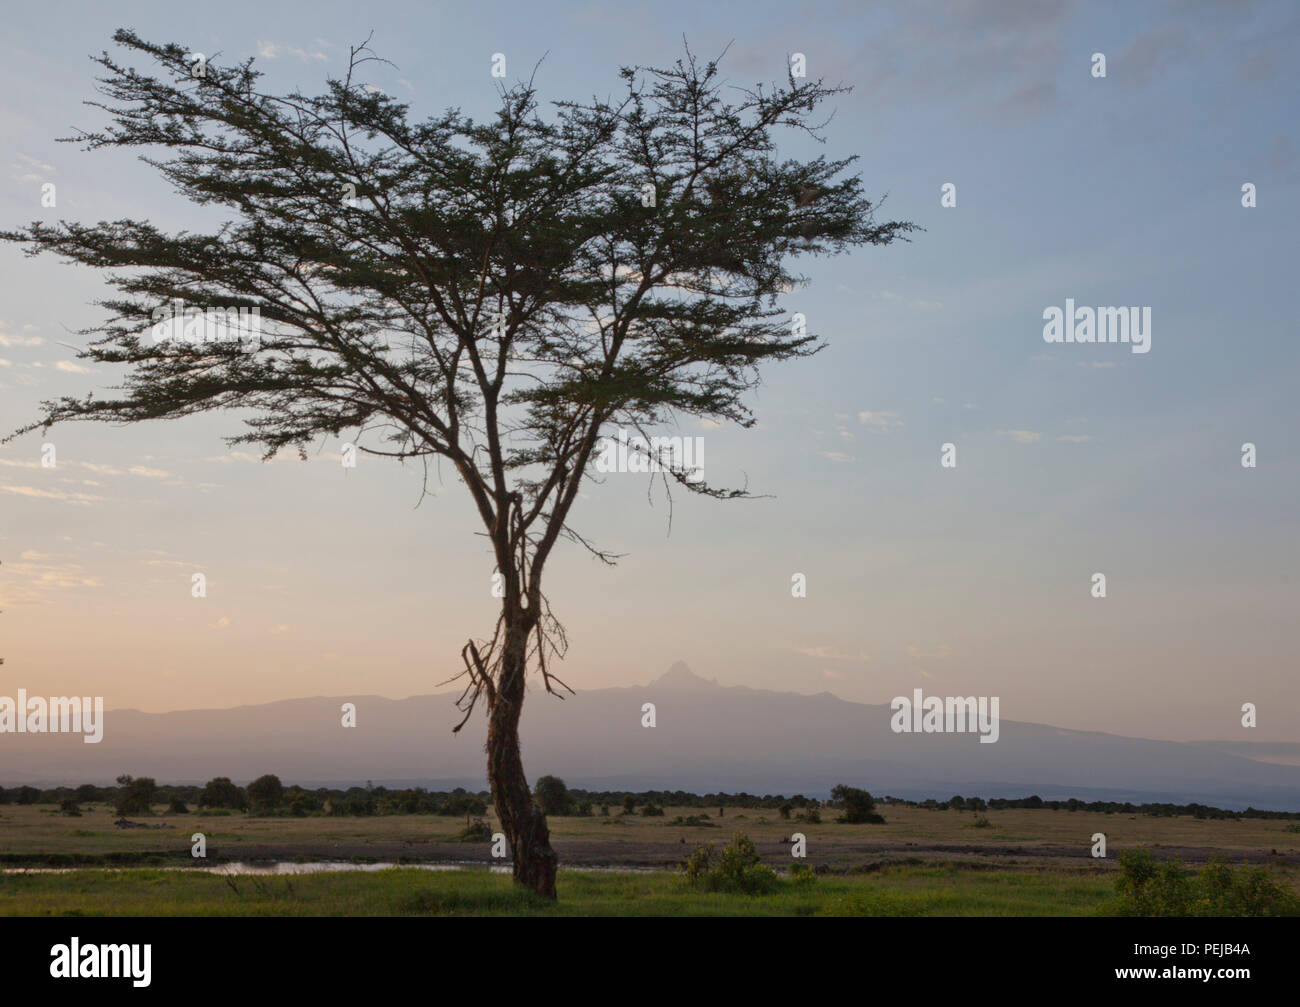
column 495, row 294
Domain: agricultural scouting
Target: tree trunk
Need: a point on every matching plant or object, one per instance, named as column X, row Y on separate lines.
column 523, row 822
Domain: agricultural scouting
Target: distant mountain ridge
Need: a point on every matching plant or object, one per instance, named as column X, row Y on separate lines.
column 707, row 737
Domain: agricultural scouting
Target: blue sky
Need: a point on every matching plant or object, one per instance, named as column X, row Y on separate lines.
column 1072, row 459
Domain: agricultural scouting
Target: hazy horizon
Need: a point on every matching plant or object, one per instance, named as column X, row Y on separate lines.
column 660, row 679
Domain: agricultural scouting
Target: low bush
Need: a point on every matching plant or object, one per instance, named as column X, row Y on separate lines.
column 737, row 869
column 1147, row 887
column 477, row 831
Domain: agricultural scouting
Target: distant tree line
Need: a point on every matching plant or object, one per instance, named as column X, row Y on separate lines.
column 268, row 796
column 264, row 796
column 1157, row 810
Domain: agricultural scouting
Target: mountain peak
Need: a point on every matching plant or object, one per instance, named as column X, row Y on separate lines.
column 679, row 676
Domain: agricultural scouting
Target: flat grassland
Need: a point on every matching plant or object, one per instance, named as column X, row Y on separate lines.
column 920, row 862
column 409, row 891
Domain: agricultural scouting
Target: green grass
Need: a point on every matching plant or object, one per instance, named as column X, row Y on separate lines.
column 892, row 891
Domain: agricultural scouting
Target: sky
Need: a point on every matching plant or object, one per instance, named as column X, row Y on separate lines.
column 1072, row 458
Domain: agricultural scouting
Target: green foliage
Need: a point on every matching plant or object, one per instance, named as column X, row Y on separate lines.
column 302, row 803
column 356, row 801
column 737, row 869
column 219, row 792
column 69, row 807
column 265, row 794
column 1147, row 887
column 859, row 806
column 477, row 831
column 461, row 802
column 135, row 795
column 652, row 811
column 552, row 796
column 980, row 822
column 695, row 822
column 802, row 874
column 176, row 806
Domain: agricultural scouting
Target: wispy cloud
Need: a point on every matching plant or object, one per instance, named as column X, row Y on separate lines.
column 83, row 499
column 879, row 419
column 274, row 50
column 1021, row 436
column 35, row 577
column 29, row 169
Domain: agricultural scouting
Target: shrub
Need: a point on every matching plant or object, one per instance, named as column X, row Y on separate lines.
column 652, row 811
column 70, row 807
column 695, row 822
column 802, row 874
column 477, row 831
column 265, row 794
column 176, row 806
column 459, row 802
column 356, row 802
column 302, row 803
column 1247, row 891
column 135, row 795
column 738, row 869
column 1147, row 887
column 859, row 806
column 697, row 864
column 552, row 796
column 219, row 792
